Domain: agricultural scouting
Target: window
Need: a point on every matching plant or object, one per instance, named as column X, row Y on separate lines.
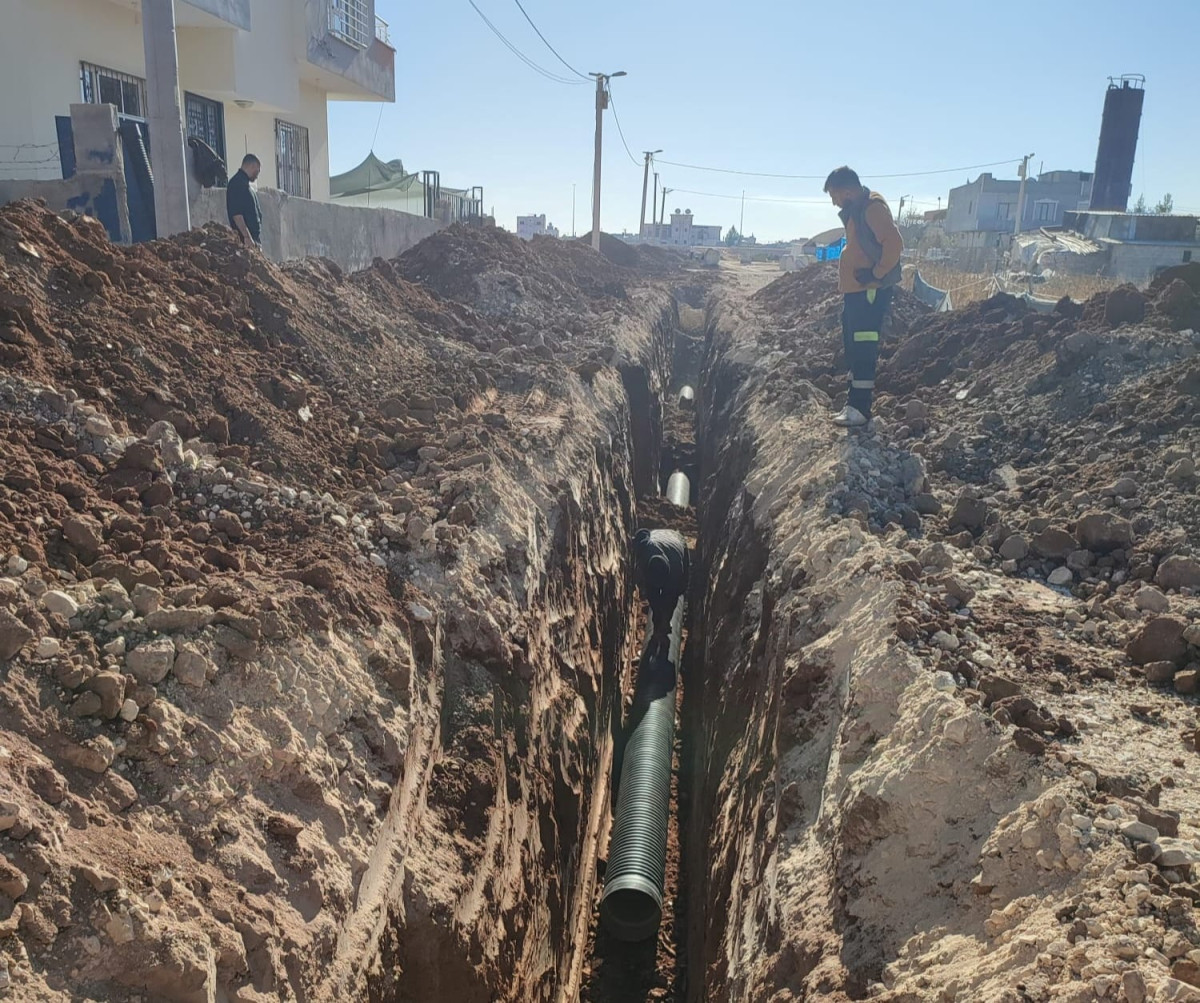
column 1187, row 256
column 291, row 159
column 1045, row 210
column 205, row 120
column 350, row 20
column 1002, row 210
column 970, row 208
column 104, row 86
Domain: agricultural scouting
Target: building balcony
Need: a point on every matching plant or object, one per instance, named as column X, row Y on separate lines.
column 351, row 49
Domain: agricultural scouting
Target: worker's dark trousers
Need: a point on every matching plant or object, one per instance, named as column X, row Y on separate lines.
column 862, row 321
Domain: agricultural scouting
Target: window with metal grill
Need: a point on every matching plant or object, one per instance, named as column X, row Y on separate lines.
column 351, row 21
column 205, row 120
column 101, row 85
column 291, row 159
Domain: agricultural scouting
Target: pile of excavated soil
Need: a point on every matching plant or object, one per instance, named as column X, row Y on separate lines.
column 537, row 280
column 290, row 562
column 948, row 743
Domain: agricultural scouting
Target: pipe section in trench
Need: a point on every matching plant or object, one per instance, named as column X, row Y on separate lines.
column 631, row 907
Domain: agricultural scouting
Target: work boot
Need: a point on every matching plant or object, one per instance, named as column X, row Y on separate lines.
column 850, row 417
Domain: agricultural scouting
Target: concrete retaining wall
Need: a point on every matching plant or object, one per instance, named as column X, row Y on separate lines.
column 299, row 228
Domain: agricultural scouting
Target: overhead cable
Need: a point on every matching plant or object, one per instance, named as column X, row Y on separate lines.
column 548, row 45
column 520, row 55
column 621, row 131
column 821, row 177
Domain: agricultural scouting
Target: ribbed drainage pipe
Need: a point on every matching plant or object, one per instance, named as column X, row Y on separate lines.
column 631, row 907
column 679, row 489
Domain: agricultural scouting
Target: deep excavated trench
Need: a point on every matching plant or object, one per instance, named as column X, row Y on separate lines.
column 530, row 929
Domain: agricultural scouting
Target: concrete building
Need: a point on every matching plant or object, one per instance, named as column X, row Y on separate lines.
column 1136, row 247
column 989, row 205
column 529, row 227
column 251, row 77
column 683, row 231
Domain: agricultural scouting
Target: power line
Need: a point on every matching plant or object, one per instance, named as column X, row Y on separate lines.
column 519, row 54
column 821, row 177
column 548, row 45
column 620, row 131
column 752, row 198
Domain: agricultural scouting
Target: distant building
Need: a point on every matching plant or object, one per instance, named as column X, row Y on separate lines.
column 989, row 205
column 1135, row 247
column 682, row 231
column 529, row 227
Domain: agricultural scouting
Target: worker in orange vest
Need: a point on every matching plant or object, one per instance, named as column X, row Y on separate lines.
column 868, row 271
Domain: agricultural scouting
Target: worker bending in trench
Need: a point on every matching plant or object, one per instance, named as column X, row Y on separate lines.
column 868, row 271
column 661, row 564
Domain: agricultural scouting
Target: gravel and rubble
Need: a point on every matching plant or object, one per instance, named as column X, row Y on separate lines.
column 277, row 548
column 967, row 636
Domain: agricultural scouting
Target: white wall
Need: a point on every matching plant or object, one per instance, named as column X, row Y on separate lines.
column 41, row 80
column 42, row 43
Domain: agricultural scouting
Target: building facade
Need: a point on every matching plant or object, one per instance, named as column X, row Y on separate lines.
column 683, row 231
column 529, row 227
column 254, row 77
column 1136, row 247
column 989, row 205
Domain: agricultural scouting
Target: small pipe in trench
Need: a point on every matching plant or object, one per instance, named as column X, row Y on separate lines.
column 679, row 489
column 687, row 397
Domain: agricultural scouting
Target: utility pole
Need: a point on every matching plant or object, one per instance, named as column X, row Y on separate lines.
column 1022, row 173
column 900, row 210
column 654, row 211
column 572, row 212
column 167, row 148
column 645, row 190
column 742, row 226
column 662, row 218
column 602, row 80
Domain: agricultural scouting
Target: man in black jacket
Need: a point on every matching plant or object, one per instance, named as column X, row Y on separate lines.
column 661, row 565
column 242, row 202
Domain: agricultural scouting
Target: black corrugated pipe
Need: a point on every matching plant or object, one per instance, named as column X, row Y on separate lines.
column 631, row 907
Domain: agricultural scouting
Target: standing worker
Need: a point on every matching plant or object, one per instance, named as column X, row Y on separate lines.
column 241, row 201
column 661, row 563
column 868, row 271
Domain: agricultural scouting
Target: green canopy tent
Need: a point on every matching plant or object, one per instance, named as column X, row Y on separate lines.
column 379, row 185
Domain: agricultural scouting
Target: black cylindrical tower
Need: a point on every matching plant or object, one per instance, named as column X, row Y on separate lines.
column 1118, row 143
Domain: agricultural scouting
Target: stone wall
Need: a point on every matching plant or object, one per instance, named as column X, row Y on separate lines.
column 293, row 228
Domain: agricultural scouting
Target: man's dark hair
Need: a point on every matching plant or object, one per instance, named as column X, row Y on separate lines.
column 842, row 177
column 249, row 159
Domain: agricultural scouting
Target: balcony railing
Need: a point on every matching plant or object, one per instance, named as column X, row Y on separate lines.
column 349, row 20
column 382, row 31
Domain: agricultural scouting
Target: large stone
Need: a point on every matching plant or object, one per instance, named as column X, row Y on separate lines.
column 110, row 687
column 1151, row 600
column 150, row 662
column 1185, row 682
column 1177, row 853
column 968, row 512
column 60, row 603
column 1015, row 548
column 1159, row 640
column 191, row 667
column 94, row 754
column 997, row 687
column 1052, row 542
column 14, row 635
column 1139, row 832
column 1061, row 576
column 1178, row 573
column 84, row 534
column 1160, row 672
column 1101, row 532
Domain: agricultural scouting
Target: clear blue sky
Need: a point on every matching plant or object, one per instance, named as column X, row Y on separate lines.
column 778, row 86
